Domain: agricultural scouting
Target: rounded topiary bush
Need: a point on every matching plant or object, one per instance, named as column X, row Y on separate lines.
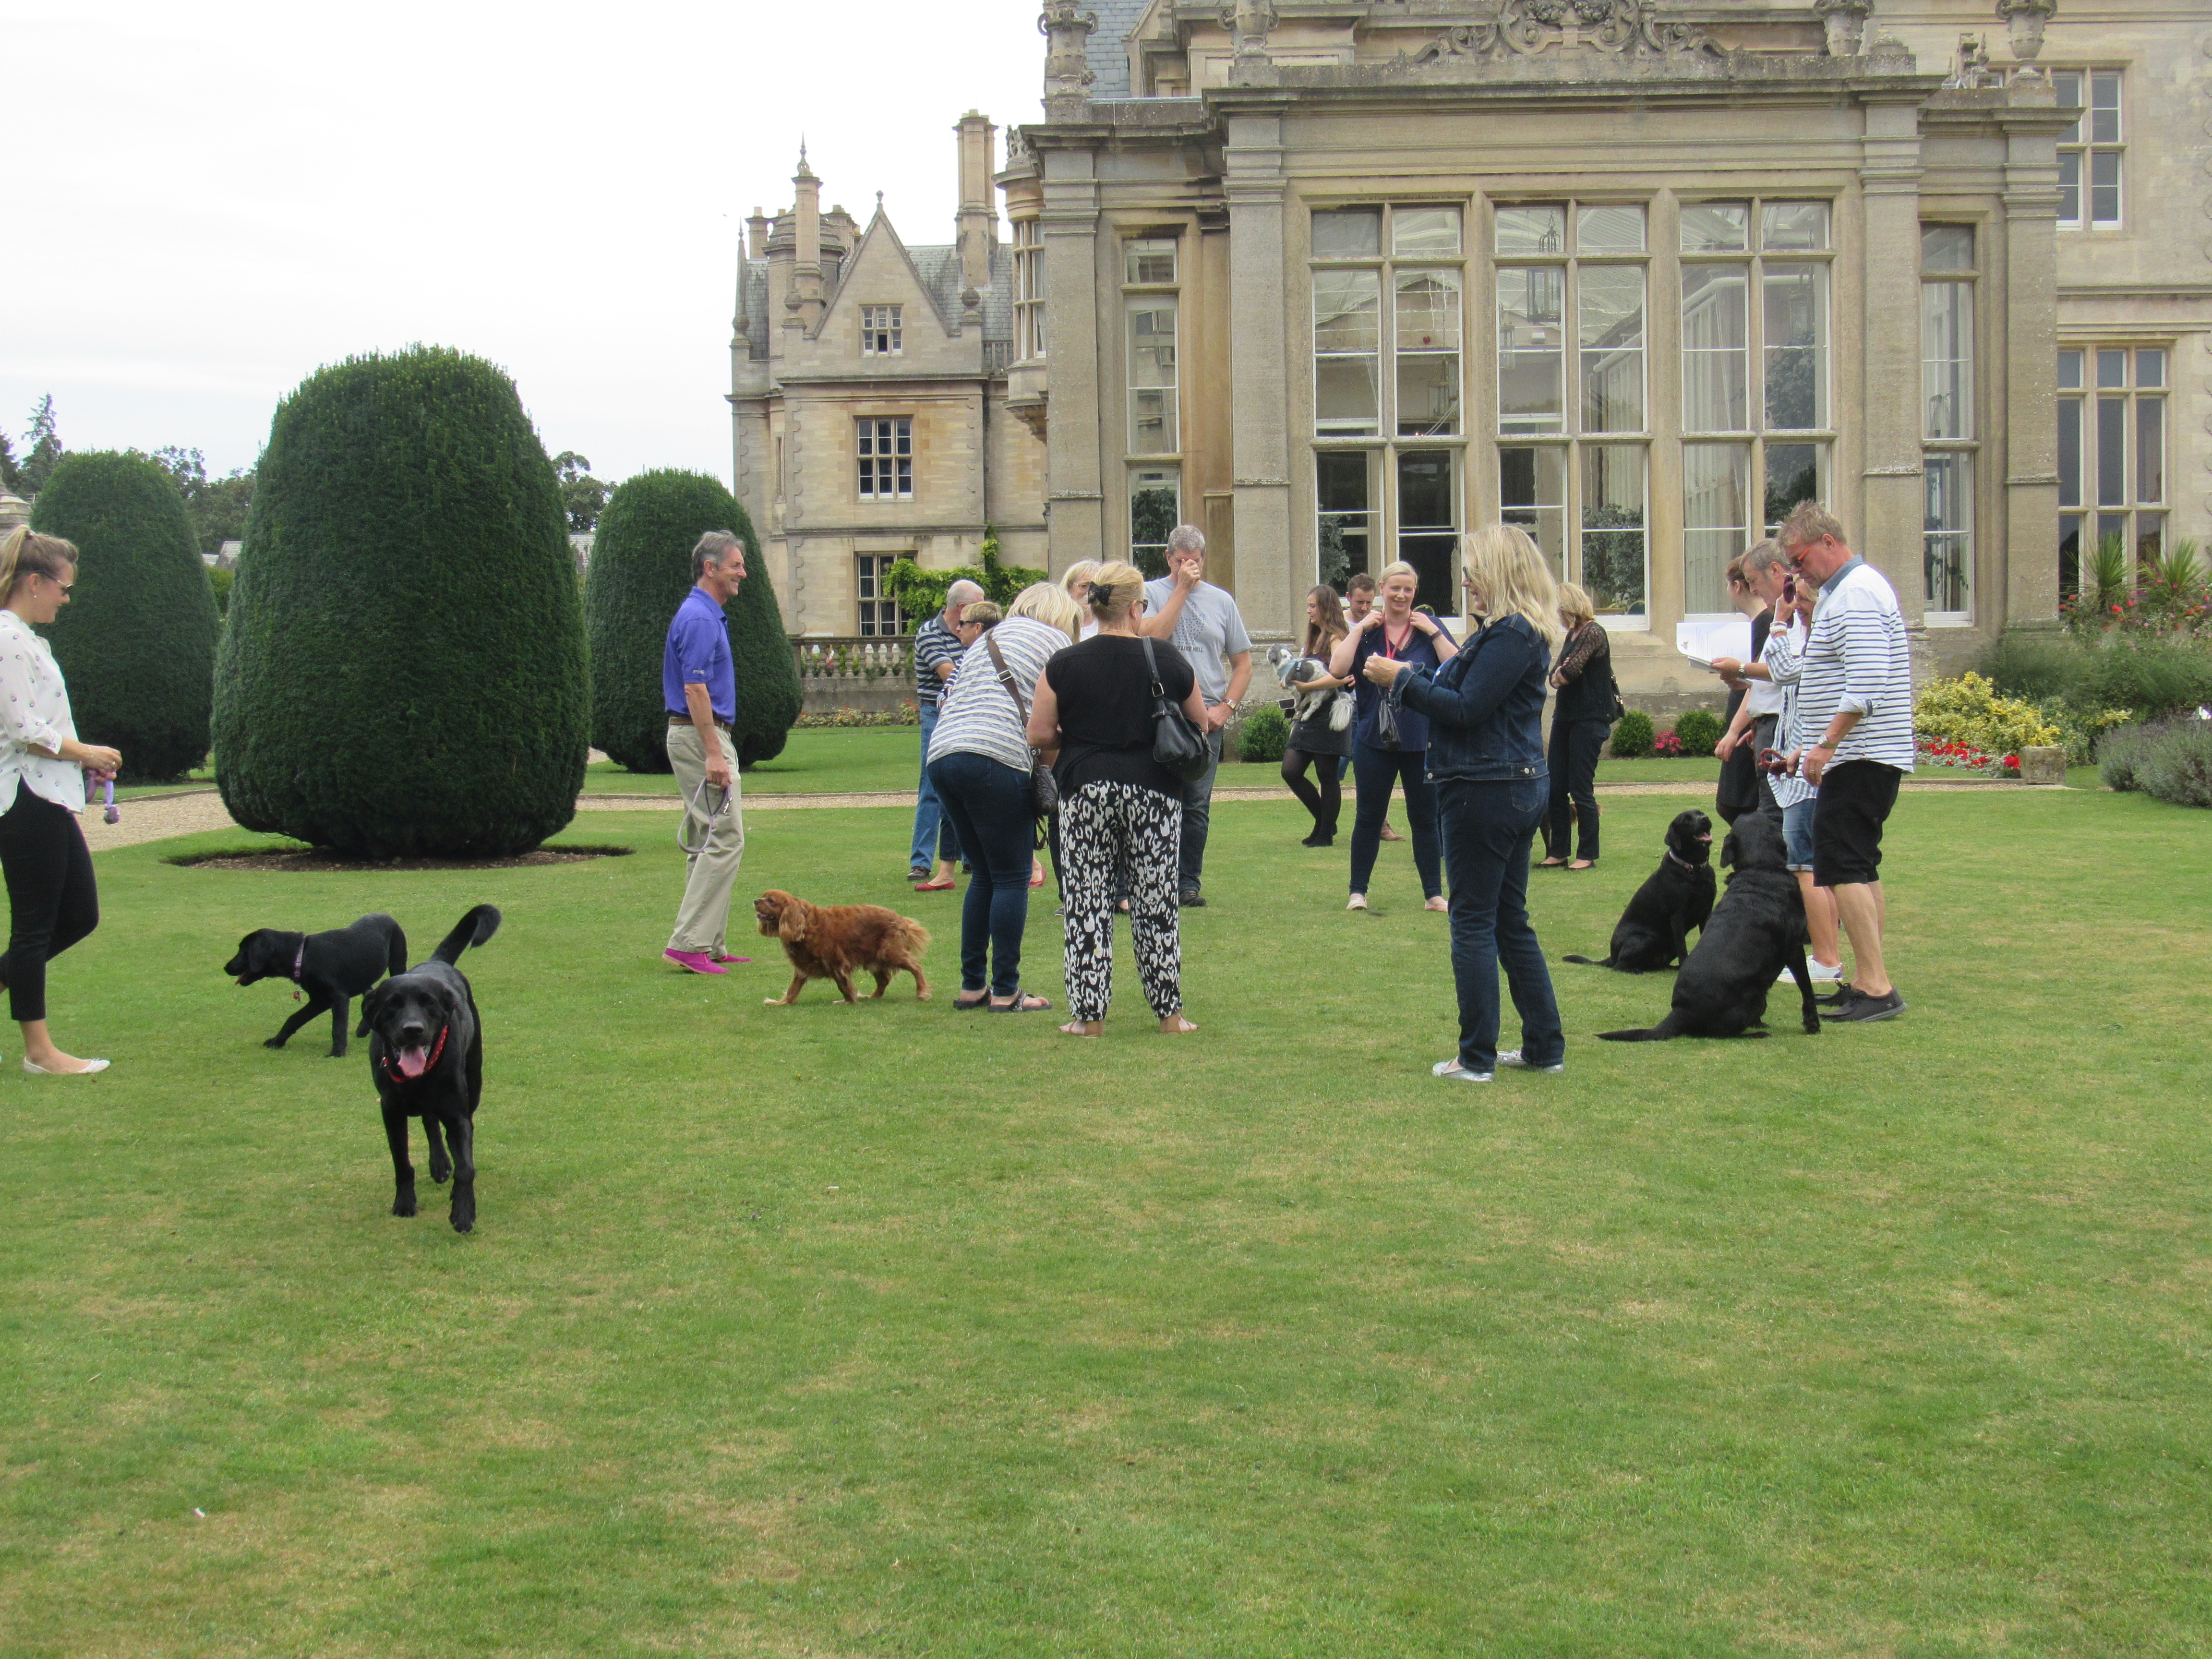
column 1699, row 730
column 1633, row 734
column 1264, row 734
column 138, row 639
column 768, row 695
column 403, row 674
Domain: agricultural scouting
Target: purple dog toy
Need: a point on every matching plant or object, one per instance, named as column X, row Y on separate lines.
column 114, row 813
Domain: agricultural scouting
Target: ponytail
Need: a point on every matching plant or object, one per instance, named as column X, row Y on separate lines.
column 25, row 553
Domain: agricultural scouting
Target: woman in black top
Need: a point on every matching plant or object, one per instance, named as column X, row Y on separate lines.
column 1119, row 810
column 1742, row 789
column 1582, row 715
column 1318, row 739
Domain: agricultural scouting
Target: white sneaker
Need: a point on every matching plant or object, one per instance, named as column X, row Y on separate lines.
column 1819, row 972
column 90, row 1066
column 1451, row 1068
column 1511, row 1058
column 1358, row 901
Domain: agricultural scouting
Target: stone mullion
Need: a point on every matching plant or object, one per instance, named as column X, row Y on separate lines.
column 1665, row 549
column 1267, row 587
column 1076, row 519
column 1891, row 503
column 2028, row 315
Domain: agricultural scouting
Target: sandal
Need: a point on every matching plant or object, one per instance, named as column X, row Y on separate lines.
column 1078, row 1028
column 1181, row 1026
column 1584, row 863
column 971, row 1007
column 1023, row 1004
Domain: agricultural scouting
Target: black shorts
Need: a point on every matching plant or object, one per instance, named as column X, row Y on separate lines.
column 1853, row 804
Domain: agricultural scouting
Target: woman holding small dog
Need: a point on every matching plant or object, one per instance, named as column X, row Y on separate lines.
column 980, row 764
column 1317, row 741
column 1121, row 811
column 52, row 898
column 1485, row 714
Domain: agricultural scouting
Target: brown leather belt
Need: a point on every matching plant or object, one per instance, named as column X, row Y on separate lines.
column 685, row 719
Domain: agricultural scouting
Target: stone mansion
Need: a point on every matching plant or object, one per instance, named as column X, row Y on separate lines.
column 1336, row 280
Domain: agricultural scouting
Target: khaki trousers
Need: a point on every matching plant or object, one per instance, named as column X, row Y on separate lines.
column 702, row 920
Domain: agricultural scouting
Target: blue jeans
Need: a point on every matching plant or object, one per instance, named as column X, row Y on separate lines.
column 1197, row 819
column 987, row 804
column 931, row 825
column 1375, row 772
column 1487, row 828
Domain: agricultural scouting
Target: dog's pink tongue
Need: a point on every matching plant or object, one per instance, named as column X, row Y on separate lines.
column 412, row 1060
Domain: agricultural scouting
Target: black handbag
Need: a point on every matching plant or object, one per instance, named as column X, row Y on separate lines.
column 1177, row 744
column 1044, row 789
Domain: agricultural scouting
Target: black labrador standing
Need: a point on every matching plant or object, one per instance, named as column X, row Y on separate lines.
column 1653, row 933
column 332, row 968
column 426, row 1051
column 1756, row 929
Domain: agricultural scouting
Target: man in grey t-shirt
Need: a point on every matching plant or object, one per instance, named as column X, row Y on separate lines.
column 1201, row 621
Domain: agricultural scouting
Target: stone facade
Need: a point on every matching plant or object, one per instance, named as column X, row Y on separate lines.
column 868, row 391
column 1337, row 282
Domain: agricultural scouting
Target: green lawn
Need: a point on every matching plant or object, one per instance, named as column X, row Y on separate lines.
column 891, row 1331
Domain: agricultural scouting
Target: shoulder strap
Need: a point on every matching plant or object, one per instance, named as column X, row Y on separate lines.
column 1152, row 663
column 1006, row 678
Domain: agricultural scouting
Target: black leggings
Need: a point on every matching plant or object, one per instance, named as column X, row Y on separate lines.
column 1573, row 761
column 1324, row 802
column 50, row 896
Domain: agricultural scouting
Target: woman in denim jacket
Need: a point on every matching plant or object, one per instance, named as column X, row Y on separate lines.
column 1485, row 709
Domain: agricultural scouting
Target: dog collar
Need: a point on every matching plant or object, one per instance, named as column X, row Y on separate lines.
column 1683, row 862
column 299, row 957
column 384, row 1060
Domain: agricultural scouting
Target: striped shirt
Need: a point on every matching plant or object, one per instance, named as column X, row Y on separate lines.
column 933, row 643
column 978, row 715
column 1785, row 650
column 1856, row 658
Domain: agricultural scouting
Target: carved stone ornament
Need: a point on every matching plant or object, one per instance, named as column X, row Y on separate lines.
column 1845, row 21
column 1066, row 72
column 1627, row 28
column 2026, row 19
column 1247, row 23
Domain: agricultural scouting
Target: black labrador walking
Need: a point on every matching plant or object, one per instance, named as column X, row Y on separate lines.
column 332, row 968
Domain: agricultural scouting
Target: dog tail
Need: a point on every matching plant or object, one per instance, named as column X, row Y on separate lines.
column 474, row 928
column 917, row 935
column 1589, row 962
column 1659, row 1033
column 395, row 943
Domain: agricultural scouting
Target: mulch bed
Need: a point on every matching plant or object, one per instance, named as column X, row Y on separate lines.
column 316, row 860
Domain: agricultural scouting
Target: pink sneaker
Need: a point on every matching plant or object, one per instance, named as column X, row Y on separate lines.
column 698, row 962
column 724, row 956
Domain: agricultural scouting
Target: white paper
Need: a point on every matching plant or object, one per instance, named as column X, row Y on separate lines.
column 1701, row 639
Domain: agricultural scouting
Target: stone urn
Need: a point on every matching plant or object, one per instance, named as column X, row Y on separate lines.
column 2042, row 764
column 14, row 510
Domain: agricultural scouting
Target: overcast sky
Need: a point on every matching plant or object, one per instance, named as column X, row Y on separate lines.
column 207, row 200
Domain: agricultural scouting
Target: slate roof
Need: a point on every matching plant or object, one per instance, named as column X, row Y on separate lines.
column 1107, row 50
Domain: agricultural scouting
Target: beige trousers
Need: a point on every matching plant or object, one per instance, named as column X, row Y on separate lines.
column 702, row 920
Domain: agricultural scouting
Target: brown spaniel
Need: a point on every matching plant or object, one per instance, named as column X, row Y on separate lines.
column 835, row 941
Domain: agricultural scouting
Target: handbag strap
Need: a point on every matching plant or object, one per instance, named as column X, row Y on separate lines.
column 1006, row 680
column 1152, row 663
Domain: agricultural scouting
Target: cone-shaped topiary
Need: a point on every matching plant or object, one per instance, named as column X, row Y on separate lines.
column 641, row 570
column 404, row 672
column 137, row 642
column 768, row 695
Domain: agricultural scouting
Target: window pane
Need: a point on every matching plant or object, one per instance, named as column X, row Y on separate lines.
column 1947, row 247
column 2104, row 108
column 2105, row 187
column 2069, row 451
column 2067, row 83
column 1531, row 230
column 1153, row 342
column 1715, row 519
column 2070, row 369
column 2150, row 536
column 1341, row 493
column 1532, row 493
column 1613, row 529
column 1612, row 325
column 1424, row 230
column 2112, row 369
column 1796, row 346
column 1428, row 538
column 1428, row 393
column 1347, row 310
column 1793, row 475
column 1946, row 359
column 1531, row 349
column 1790, row 225
column 1609, row 229
column 1348, row 234
column 1427, row 326
column 1344, row 400
column 2069, row 187
column 1154, row 510
column 1715, row 227
column 1949, row 528
column 2112, row 527
column 1428, row 310
column 2069, row 553
column 2150, row 449
column 1148, row 261
column 1714, row 348
column 2150, row 367
column 2111, row 452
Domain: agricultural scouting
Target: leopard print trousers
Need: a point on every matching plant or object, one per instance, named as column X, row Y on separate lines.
column 1106, row 828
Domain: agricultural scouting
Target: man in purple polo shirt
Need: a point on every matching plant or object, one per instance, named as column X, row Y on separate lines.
column 698, row 689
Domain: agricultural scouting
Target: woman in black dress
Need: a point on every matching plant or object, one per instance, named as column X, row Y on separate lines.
column 1323, row 738
column 1583, row 712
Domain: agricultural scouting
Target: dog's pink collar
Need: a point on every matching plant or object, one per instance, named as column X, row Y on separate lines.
column 299, row 957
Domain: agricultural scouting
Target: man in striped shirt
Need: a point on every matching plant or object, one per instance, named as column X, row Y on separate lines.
column 1854, row 702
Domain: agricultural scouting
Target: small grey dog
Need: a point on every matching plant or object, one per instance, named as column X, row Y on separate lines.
column 1290, row 671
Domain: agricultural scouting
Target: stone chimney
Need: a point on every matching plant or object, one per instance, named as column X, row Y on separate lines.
column 806, row 251
column 757, row 235
column 978, row 233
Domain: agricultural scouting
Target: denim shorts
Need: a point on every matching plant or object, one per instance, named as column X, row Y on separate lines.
column 1797, row 833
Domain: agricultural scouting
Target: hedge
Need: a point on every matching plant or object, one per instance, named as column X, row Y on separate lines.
column 1264, row 734
column 920, row 594
column 404, row 671
column 1699, row 730
column 138, row 639
column 2168, row 760
column 1633, row 735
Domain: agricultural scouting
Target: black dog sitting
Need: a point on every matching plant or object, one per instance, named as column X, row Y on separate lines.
column 332, row 968
column 426, row 1051
column 1653, row 933
column 1756, row 929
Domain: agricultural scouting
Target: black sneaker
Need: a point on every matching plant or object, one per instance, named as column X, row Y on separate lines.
column 1864, row 1006
column 1845, row 995
column 1191, row 899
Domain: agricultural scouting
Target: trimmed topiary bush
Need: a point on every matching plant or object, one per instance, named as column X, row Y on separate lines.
column 137, row 639
column 768, row 695
column 1633, row 735
column 1699, row 730
column 641, row 569
column 403, row 674
column 1264, row 734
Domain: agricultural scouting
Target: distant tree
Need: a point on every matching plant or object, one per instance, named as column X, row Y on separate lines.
column 582, row 495
column 11, row 476
column 219, row 581
column 45, row 450
column 216, row 506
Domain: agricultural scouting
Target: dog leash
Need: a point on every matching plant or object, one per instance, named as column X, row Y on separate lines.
column 697, row 804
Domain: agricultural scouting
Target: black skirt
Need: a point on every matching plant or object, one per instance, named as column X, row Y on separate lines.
column 1313, row 736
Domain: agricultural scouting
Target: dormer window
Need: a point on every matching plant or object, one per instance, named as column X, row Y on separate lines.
column 879, row 331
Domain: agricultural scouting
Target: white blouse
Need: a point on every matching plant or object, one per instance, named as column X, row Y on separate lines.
column 35, row 709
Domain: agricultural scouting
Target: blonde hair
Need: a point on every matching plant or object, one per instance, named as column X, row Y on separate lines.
column 982, row 613
column 1398, row 567
column 1575, row 604
column 1076, row 575
column 1114, row 589
column 1509, row 576
column 1050, row 604
column 1808, row 522
column 25, row 553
